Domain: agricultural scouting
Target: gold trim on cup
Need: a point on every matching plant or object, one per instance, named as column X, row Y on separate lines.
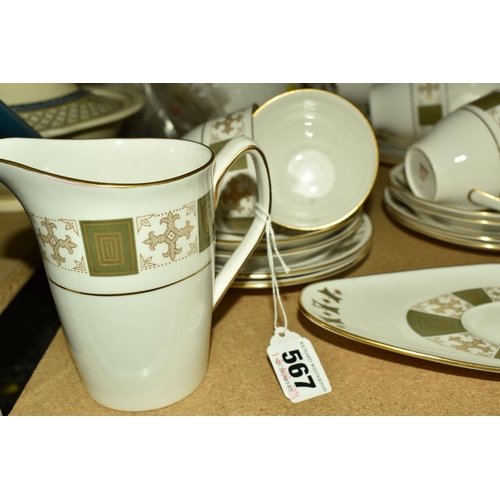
column 375, row 143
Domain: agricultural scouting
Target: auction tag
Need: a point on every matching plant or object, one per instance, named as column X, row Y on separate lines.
column 297, row 366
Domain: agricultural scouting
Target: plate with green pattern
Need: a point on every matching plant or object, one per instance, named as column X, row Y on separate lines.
column 449, row 315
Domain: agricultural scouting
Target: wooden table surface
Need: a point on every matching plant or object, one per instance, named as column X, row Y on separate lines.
column 365, row 380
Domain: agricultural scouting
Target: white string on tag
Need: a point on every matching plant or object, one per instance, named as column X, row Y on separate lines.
column 271, row 246
column 292, row 357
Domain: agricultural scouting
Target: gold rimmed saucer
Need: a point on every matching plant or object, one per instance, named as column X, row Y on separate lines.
column 256, row 282
column 392, row 148
column 332, row 260
column 397, row 180
column 468, row 225
column 289, row 239
column 298, row 254
column 407, row 217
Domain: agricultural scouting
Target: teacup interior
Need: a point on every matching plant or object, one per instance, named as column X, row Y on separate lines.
column 322, row 156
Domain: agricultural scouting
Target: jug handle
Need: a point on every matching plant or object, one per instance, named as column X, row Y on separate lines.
column 226, row 157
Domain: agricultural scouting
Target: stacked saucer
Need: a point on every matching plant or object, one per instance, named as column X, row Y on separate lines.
column 322, row 160
column 310, row 255
column 392, row 148
column 478, row 229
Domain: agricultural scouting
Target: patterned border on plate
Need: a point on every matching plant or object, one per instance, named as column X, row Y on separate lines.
column 438, row 319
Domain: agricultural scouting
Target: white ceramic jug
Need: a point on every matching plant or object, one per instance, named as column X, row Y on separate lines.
column 126, row 232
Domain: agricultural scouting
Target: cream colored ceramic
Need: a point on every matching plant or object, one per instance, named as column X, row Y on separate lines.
column 125, row 229
column 397, row 180
column 331, row 260
column 289, row 239
column 295, row 256
column 466, row 226
column 448, row 315
column 392, row 149
column 238, row 192
column 434, row 228
column 259, row 281
column 412, row 109
column 457, row 162
column 322, row 156
column 68, row 109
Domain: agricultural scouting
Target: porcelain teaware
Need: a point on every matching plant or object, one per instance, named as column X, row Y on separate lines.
column 125, row 230
column 457, row 162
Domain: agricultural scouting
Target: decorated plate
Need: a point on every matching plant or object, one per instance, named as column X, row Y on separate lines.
column 449, row 315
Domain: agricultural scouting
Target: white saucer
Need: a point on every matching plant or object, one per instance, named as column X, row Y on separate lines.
column 331, row 260
column 397, row 180
column 448, row 315
column 465, row 225
column 289, row 241
column 392, row 148
column 301, row 279
column 435, row 229
column 324, row 253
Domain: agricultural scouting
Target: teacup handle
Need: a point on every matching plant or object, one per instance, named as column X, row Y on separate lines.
column 480, row 197
column 226, row 157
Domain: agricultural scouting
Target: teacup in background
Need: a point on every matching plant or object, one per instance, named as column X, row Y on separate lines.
column 238, row 192
column 412, row 109
column 457, row 163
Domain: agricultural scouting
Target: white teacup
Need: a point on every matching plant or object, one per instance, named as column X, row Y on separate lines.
column 125, row 228
column 322, row 156
column 238, row 191
column 412, row 109
column 457, row 163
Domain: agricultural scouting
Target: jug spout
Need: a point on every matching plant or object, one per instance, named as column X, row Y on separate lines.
column 18, row 170
column 10, row 168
